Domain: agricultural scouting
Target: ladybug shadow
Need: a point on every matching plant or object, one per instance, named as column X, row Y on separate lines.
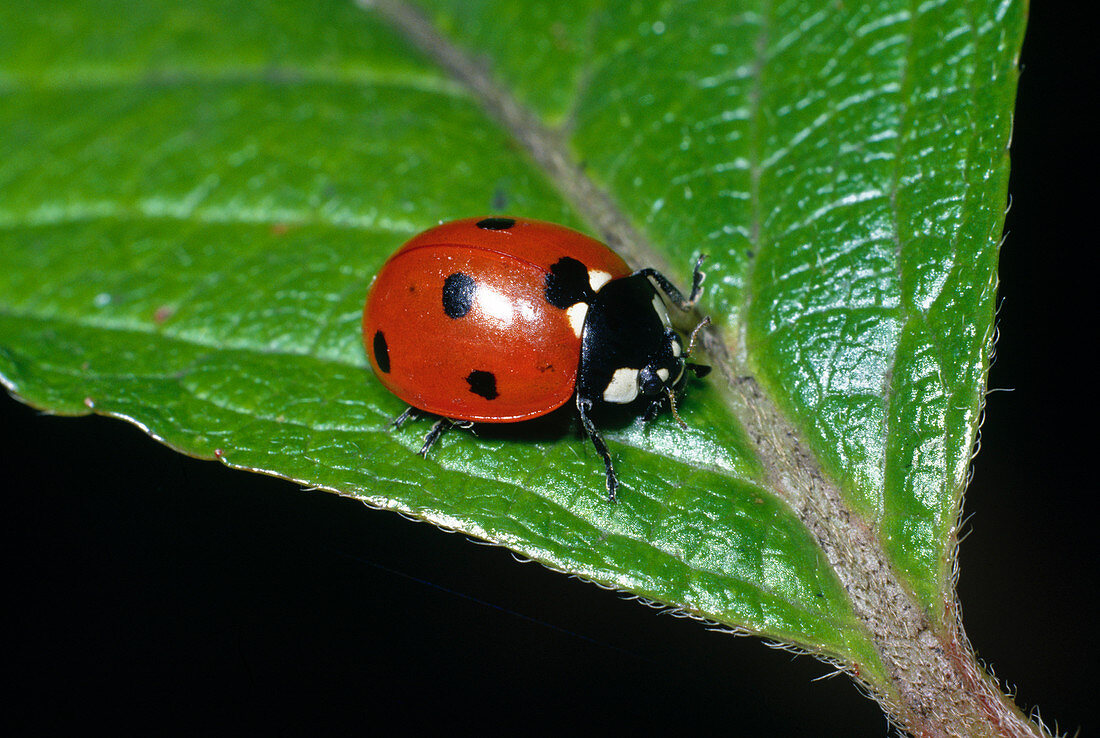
column 553, row 426
column 562, row 423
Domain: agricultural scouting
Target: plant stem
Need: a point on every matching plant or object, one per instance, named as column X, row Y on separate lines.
column 935, row 686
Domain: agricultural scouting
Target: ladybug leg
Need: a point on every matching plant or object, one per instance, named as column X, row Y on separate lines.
column 583, row 406
column 674, row 295
column 440, row 427
column 410, row 412
column 700, row 370
column 691, row 341
column 654, row 408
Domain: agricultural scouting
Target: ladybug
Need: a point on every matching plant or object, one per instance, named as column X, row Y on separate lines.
column 500, row 320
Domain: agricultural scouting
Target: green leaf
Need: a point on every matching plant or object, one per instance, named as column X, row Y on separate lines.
column 194, row 200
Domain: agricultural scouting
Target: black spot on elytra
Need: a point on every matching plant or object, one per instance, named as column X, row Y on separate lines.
column 483, row 383
column 458, row 294
column 496, row 224
column 567, row 283
column 381, row 352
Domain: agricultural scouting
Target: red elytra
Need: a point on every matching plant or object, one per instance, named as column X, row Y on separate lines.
column 505, row 331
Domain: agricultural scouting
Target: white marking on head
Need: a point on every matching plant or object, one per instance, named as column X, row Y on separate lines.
column 623, row 387
column 677, row 349
column 598, row 279
column 576, row 313
column 659, row 308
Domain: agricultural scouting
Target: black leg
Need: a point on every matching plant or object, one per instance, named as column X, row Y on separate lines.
column 583, row 406
column 440, row 427
column 674, row 295
column 410, row 412
column 654, row 408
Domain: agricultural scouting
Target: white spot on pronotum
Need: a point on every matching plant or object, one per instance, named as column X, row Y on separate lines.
column 576, row 314
column 663, row 374
column 659, row 308
column 598, row 279
column 623, row 387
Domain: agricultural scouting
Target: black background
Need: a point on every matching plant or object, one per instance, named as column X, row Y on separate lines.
column 150, row 591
